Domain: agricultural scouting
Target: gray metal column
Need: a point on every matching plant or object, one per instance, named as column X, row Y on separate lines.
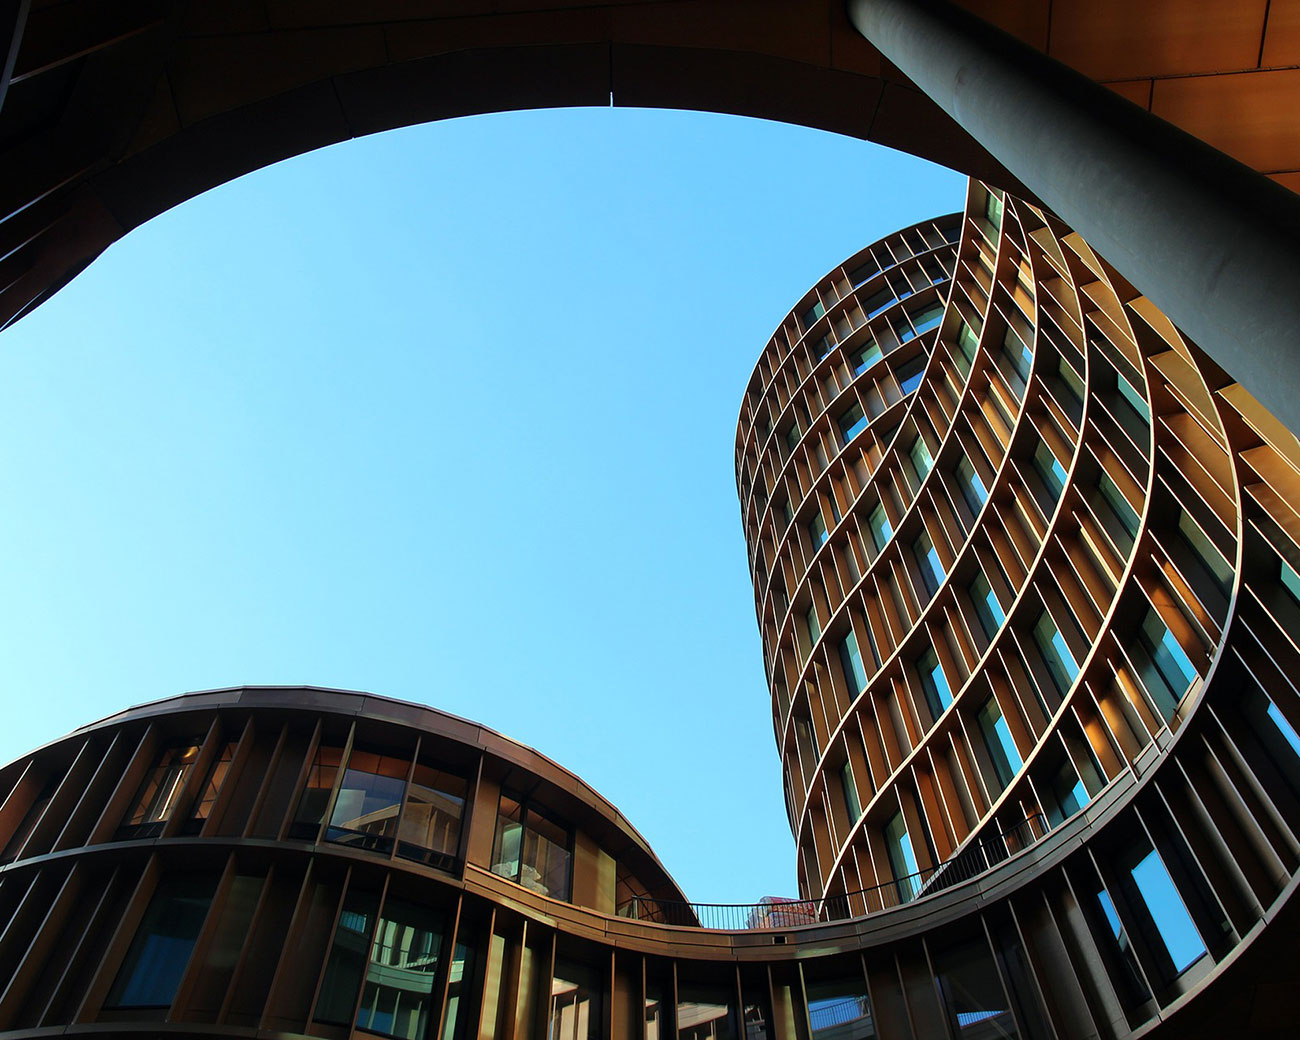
column 1213, row 243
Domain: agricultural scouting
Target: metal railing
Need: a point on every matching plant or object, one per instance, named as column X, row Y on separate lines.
column 774, row 912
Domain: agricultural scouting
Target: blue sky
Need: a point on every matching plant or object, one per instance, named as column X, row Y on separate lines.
column 446, row 414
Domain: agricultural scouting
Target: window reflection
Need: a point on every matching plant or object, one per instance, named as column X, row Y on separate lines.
column 973, row 997
column 704, row 1013
column 838, row 1009
column 399, row 977
column 575, row 1003
column 531, row 848
column 155, row 963
column 368, row 801
column 160, row 791
column 316, row 795
column 430, row 827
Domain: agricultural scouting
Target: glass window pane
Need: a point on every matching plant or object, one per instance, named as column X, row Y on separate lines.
column 881, row 532
column 1213, row 561
column 546, row 857
column 1056, row 653
column 817, row 530
column 852, row 423
column 866, row 356
column 851, row 661
column 316, row 795
column 398, row 991
column 852, row 805
column 459, row 980
column 1168, row 912
column 576, row 1000
column 1050, row 470
column 987, row 608
column 999, row 742
column 909, row 375
column 814, row 627
column 347, row 960
column 369, row 798
column 159, row 953
column 938, row 694
column 704, row 1013
column 972, row 992
column 431, row 819
column 902, row 859
column 162, row 787
column 972, row 487
column 839, row 1009
column 926, row 319
column 928, row 562
column 921, row 457
column 508, row 841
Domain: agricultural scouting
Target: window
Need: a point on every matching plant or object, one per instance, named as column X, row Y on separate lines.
column 993, row 207
column 817, row 531
column 531, row 848
column 972, row 488
column 1173, row 925
column 1065, row 795
column 211, row 788
column 1073, row 389
column 1052, row 474
column 161, row 790
column 987, row 608
column 852, row 805
column 838, row 1008
column 878, row 301
column 811, row 315
column 881, row 532
column 316, row 795
column 927, row 318
column 851, row 661
column 909, row 375
column 998, row 741
column 703, row 1013
column 807, row 739
column 576, row 1003
column 156, row 962
column 822, row 347
column 927, row 560
column 1135, row 399
column 1056, row 652
column 430, row 827
column 866, row 356
column 903, row 330
column 973, row 994
column 852, row 423
column 864, row 273
column 1116, row 515
column 369, row 799
column 1204, row 551
column 814, row 627
column 902, row 859
column 938, row 694
column 967, row 343
column 399, row 978
column 1132, row 973
column 920, row 457
column 1016, row 361
column 346, row 967
column 1165, row 668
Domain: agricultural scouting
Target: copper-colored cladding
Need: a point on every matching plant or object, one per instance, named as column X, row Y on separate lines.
column 118, row 111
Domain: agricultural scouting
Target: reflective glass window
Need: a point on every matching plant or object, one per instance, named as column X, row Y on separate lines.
column 459, row 980
column 973, row 996
column 576, row 1003
column 532, row 849
column 704, row 1013
column 349, row 954
column 852, row 423
column 316, row 795
column 398, row 991
column 368, row 801
column 839, row 1009
column 430, row 827
column 156, row 800
column 972, row 487
column 212, row 786
column 902, row 859
column 811, row 315
column 909, row 375
column 938, row 694
column 1050, row 470
column 852, row 805
column 1173, row 924
column 159, row 953
column 987, row 608
column 855, row 674
column 1165, row 668
column 1065, row 795
column 967, row 344
column 927, row 561
column 866, row 356
column 814, row 626
column 881, row 532
column 1002, row 749
column 1016, row 361
column 1056, row 652
column 921, row 458
column 1205, row 552
column 1118, row 517
column 817, row 530
column 926, row 319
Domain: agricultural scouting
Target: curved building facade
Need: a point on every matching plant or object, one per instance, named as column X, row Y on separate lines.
column 1026, row 574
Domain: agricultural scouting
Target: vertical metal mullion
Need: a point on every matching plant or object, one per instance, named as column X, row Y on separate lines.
column 338, row 783
column 300, row 784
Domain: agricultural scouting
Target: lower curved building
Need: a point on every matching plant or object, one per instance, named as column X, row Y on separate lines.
column 1026, row 574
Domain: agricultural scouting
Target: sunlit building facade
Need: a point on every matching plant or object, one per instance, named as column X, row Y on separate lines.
column 1025, row 572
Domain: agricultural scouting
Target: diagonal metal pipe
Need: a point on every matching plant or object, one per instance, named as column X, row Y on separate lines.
column 1213, row 243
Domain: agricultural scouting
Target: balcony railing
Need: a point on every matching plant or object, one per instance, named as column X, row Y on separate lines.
column 774, row 912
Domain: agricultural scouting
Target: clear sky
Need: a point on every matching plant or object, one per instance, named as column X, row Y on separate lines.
column 446, row 414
